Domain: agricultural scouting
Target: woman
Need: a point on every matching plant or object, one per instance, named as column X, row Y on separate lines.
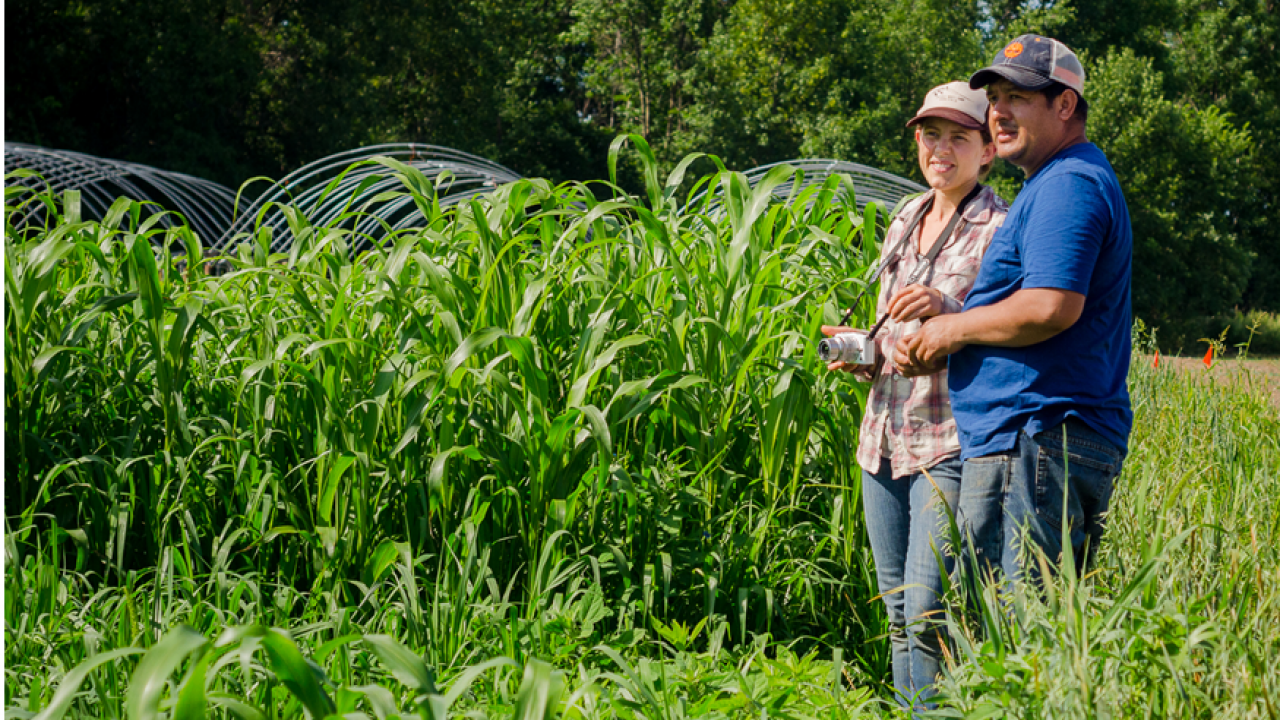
column 909, row 451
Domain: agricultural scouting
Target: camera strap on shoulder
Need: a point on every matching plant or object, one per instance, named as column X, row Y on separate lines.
column 925, row 263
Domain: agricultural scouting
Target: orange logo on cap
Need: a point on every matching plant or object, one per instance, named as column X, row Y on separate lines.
column 1013, row 51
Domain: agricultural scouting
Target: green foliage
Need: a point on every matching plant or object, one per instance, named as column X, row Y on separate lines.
column 229, row 90
column 645, row 63
column 560, row 452
column 1004, row 20
column 252, row 672
column 1182, row 169
column 504, row 80
column 1256, row 330
column 556, row 415
column 1226, row 54
column 888, row 56
column 767, row 68
column 171, row 87
column 1180, row 616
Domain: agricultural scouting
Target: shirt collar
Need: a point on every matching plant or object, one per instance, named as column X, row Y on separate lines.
column 977, row 211
column 980, row 208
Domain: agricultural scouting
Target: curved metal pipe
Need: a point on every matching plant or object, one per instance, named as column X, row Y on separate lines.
column 211, row 211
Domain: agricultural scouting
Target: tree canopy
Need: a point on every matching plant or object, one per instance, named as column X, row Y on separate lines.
column 1183, row 93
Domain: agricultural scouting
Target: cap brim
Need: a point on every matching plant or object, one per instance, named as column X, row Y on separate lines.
column 955, row 116
column 1022, row 77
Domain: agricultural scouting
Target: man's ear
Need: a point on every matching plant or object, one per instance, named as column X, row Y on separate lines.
column 1065, row 105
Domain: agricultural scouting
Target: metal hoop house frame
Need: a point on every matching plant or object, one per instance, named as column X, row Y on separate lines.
column 869, row 183
column 210, row 209
column 458, row 175
column 206, row 206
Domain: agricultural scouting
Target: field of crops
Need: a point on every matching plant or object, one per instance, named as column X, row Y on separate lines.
column 562, row 451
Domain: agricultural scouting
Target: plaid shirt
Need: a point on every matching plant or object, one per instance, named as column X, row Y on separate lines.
column 909, row 420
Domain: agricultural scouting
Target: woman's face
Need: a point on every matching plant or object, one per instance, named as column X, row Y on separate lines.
column 950, row 154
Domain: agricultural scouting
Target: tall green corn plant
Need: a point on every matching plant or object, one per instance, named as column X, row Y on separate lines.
column 67, row 290
column 327, row 342
column 34, row 273
column 743, row 317
column 544, row 346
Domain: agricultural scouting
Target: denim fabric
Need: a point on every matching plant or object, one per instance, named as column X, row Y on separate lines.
column 905, row 522
column 1024, row 488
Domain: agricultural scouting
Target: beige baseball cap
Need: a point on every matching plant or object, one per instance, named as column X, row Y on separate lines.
column 956, row 102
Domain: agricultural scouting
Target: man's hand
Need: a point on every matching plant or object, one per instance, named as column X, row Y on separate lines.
column 915, row 302
column 925, row 353
column 862, row 372
column 1029, row 316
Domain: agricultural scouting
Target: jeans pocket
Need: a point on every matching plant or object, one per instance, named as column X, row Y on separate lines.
column 996, row 459
column 979, row 512
column 1083, row 476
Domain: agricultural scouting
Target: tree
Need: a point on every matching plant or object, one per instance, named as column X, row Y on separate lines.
column 1183, row 171
column 165, row 85
column 529, row 103
column 1182, row 92
column 1227, row 58
column 890, row 55
column 644, row 66
column 229, row 90
column 767, row 67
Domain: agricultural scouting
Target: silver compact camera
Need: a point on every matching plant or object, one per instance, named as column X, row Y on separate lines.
column 853, row 348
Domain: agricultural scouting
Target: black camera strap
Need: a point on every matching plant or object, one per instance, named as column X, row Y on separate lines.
column 924, row 264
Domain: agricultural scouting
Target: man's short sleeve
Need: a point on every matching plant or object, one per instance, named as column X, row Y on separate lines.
column 1071, row 217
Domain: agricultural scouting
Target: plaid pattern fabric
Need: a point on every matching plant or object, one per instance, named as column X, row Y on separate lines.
column 909, row 420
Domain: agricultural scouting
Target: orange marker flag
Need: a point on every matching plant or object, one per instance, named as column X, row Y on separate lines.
column 1208, row 357
column 1156, row 363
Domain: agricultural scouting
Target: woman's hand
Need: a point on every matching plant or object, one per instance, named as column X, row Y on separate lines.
column 862, row 372
column 915, row 302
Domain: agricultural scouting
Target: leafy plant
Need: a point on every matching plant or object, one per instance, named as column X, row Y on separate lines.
column 554, row 415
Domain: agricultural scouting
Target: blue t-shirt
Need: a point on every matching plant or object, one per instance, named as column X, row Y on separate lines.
column 1068, row 229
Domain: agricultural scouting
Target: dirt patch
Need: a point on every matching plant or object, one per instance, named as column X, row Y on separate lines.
column 1264, row 372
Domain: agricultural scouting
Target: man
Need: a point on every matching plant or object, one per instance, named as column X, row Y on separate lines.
column 1040, row 352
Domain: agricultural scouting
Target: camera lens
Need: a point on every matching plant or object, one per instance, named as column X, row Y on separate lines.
column 825, row 351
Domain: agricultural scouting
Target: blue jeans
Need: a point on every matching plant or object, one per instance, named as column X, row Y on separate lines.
column 906, row 522
column 1002, row 494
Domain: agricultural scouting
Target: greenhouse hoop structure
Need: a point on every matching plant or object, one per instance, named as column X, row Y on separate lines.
column 206, row 206
column 355, row 191
column 456, row 176
column 870, row 184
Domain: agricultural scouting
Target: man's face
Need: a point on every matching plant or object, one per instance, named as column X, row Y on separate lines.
column 1026, row 128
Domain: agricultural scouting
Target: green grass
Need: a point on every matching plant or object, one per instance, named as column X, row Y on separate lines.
column 548, row 399
column 1181, row 617
column 561, row 451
